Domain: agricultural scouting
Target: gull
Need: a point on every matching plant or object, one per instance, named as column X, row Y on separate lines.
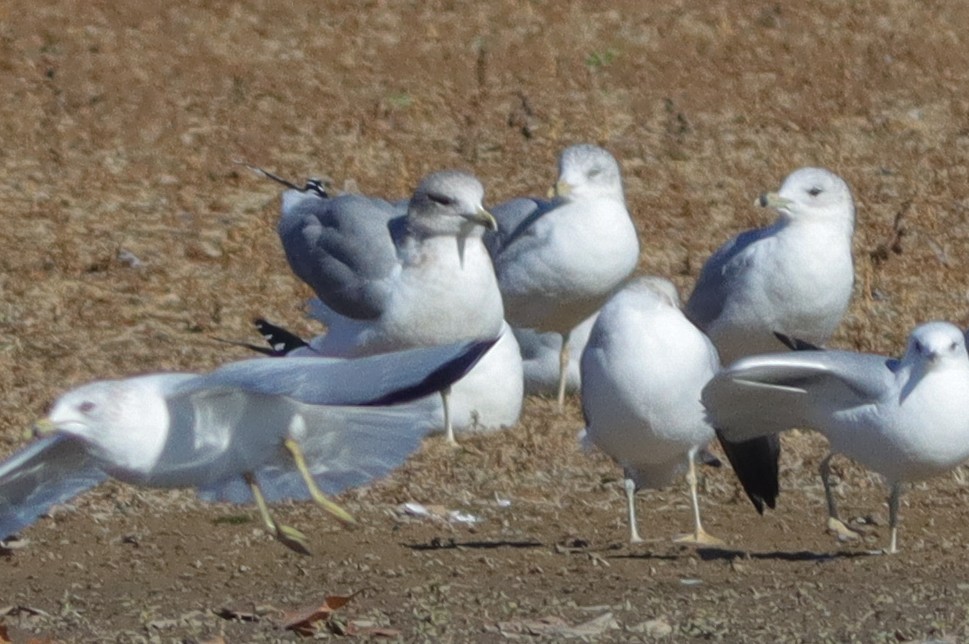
column 558, row 261
column 540, row 357
column 907, row 419
column 396, row 279
column 259, row 430
column 642, row 372
column 794, row 278
column 488, row 397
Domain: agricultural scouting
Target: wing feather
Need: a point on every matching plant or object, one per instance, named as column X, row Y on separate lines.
column 342, row 247
column 47, row 472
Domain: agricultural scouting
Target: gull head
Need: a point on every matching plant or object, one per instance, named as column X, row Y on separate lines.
column 812, row 194
column 122, row 422
column 450, row 202
column 937, row 344
column 588, row 171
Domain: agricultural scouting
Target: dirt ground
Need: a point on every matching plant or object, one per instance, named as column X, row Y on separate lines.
column 131, row 237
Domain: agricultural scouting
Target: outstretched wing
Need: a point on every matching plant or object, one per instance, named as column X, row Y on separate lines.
column 383, row 379
column 47, row 472
column 342, row 247
column 769, row 393
column 344, row 447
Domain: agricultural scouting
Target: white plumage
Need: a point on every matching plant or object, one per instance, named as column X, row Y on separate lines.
column 906, row 419
column 642, row 372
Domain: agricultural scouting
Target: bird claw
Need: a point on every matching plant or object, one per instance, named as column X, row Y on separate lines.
column 843, row 532
column 292, row 539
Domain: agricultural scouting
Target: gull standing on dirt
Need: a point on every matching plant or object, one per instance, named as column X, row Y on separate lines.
column 395, row 281
column 642, row 373
column 792, row 278
column 906, row 419
column 259, row 430
column 558, row 261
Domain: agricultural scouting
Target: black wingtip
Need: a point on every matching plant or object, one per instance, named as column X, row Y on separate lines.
column 794, row 344
column 756, row 464
column 280, row 340
column 442, row 377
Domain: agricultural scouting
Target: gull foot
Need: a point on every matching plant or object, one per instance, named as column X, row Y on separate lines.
column 292, row 539
column 700, row 538
column 843, row 532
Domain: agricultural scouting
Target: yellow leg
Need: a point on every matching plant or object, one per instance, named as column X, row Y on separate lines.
column 289, row 537
column 563, row 370
column 700, row 536
column 315, row 491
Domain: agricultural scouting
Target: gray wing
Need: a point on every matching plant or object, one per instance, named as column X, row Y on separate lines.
column 343, row 247
column 769, row 393
column 718, row 276
column 344, row 447
column 514, row 219
column 382, row 379
column 47, row 472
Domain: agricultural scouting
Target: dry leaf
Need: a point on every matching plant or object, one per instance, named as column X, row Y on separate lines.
column 304, row 621
column 4, row 635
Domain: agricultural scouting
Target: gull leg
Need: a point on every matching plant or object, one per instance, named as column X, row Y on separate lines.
column 631, row 510
column 289, row 537
column 893, row 502
column 563, row 369
column 835, row 524
column 448, row 427
column 315, row 491
column 699, row 536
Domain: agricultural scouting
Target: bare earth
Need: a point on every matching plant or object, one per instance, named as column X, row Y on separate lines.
column 131, row 238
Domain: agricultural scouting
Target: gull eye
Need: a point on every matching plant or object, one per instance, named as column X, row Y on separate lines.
column 594, row 172
column 815, row 191
column 918, row 347
column 86, row 407
column 440, row 199
column 953, row 346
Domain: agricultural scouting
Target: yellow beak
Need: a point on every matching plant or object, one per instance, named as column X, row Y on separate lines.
column 772, row 200
column 484, row 218
column 44, row 427
column 560, row 189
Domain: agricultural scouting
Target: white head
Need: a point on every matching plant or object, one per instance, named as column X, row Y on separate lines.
column 449, row 203
column 813, row 194
column 588, row 171
column 123, row 423
column 936, row 345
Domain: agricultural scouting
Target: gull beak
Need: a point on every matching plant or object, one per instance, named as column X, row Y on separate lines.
column 772, row 200
column 560, row 189
column 483, row 218
column 44, row 427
